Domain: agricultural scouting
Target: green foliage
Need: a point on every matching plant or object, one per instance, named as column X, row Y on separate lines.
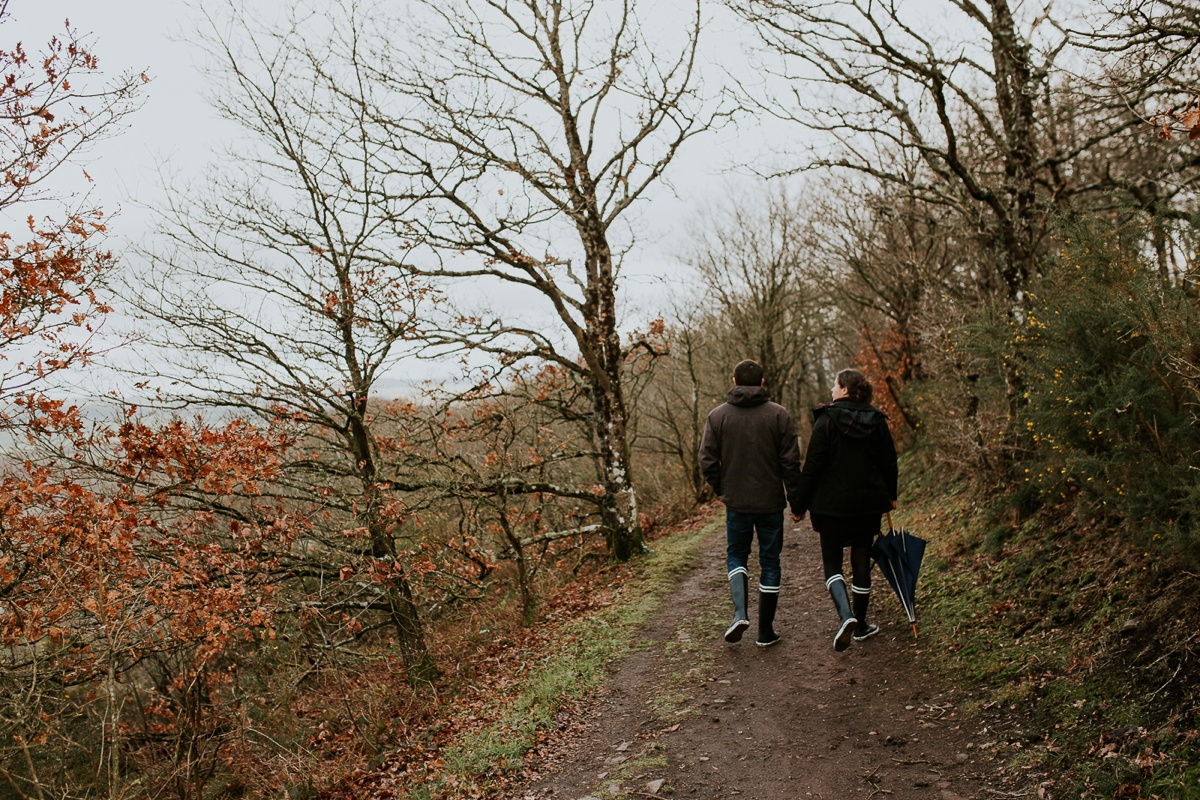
column 1107, row 411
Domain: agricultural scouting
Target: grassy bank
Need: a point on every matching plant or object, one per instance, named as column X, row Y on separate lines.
column 570, row 659
column 1079, row 650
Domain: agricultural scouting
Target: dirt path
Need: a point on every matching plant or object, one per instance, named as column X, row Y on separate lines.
column 691, row 716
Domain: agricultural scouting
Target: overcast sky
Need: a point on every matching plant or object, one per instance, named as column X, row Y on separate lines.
column 175, row 130
column 176, row 133
column 140, row 35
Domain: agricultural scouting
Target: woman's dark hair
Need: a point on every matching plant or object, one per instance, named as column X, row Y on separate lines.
column 857, row 387
column 748, row 373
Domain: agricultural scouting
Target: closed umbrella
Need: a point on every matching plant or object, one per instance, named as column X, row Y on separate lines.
column 898, row 555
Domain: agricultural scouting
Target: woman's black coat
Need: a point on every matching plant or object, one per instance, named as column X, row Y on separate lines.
column 850, row 462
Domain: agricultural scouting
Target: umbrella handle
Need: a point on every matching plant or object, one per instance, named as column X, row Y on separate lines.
column 889, row 519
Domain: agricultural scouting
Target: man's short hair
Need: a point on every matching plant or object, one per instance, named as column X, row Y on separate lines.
column 748, row 373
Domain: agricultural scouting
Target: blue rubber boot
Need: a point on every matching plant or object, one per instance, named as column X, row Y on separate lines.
column 841, row 601
column 739, row 586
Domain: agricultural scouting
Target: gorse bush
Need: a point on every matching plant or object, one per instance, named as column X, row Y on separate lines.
column 1107, row 412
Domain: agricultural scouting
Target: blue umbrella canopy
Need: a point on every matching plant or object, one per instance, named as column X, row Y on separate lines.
column 898, row 555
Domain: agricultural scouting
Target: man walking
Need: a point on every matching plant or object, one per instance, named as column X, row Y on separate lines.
column 751, row 457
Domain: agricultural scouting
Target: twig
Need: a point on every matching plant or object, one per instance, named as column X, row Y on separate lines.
column 1171, row 652
column 940, row 709
column 34, row 779
column 553, row 535
column 12, row 783
column 1168, row 683
column 1007, row 794
column 869, row 778
column 910, row 761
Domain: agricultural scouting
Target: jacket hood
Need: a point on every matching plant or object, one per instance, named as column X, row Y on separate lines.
column 851, row 418
column 747, row 396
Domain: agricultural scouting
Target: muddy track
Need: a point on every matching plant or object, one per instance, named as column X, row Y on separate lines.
column 688, row 715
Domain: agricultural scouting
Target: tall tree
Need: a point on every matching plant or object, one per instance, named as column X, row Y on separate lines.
column 1147, row 49
column 538, row 125
column 758, row 275
column 270, row 303
column 969, row 122
column 897, row 265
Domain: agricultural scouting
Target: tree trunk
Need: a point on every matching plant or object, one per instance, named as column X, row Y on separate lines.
column 618, row 506
column 696, row 419
column 528, row 603
column 1015, row 99
column 402, row 609
column 1158, row 233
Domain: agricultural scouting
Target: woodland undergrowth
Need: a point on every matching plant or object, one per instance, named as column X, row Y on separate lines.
column 1078, row 647
column 468, row 736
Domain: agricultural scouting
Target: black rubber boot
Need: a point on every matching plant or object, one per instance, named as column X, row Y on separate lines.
column 862, row 598
column 739, row 587
column 767, row 603
column 841, row 601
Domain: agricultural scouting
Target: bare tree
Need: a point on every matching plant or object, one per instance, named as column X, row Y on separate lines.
column 516, row 471
column 683, row 386
column 1146, row 50
column 974, row 128
column 764, row 290
column 760, row 277
column 897, row 262
column 1157, row 40
column 538, row 125
column 268, row 301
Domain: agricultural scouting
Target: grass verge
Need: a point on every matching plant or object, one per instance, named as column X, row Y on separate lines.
column 686, row 660
column 1078, row 650
column 575, row 662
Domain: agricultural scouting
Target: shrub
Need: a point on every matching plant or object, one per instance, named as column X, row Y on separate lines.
column 1107, row 413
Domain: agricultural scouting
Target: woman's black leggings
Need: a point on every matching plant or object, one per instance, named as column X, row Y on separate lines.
column 860, row 562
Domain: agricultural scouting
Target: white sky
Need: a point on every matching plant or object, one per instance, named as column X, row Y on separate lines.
column 173, row 127
column 176, row 131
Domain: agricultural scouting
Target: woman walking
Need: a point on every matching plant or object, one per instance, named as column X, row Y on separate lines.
column 848, row 483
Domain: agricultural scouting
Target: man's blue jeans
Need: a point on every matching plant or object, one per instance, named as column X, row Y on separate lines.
column 740, row 528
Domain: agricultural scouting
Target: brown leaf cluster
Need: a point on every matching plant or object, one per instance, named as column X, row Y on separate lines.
column 1184, row 121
